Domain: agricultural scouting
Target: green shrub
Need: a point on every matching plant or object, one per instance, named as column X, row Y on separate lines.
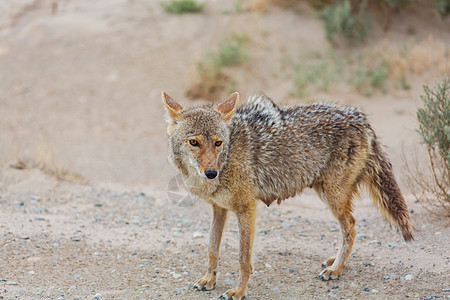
column 340, row 19
column 434, row 131
column 183, row 6
column 443, row 7
column 232, row 51
column 213, row 79
column 434, row 119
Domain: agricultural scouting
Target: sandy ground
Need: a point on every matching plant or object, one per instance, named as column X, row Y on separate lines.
column 79, row 89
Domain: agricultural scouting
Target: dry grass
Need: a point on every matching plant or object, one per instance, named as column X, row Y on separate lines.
column 414, row 58
column 44, row 160
column 425, row 185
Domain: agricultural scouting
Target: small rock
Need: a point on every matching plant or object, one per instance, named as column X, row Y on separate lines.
column 72, row 288
column 11, row 283
column 268, row 266
column 75, row 239
column 408, row 277
column 98, row 205
column 145, row 285
column 332, row 295
column 98, row 296
column 446, row 290
column 375, row 242
column 361, row 236
column 26, row 237
column 393, row 276
column 428, row 297
column 176, row 275
column 374, row 291
column 386, row 276
column 286, row 225
column 31, row 272
column 393, row 245
column 228, row 281
column 437, row 233
column 197, row 234
column 366, row 289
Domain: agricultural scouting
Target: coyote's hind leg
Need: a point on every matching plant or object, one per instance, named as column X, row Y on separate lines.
column 341, row 206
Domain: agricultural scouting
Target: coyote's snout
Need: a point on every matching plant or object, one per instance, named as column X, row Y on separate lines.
column 233, row 156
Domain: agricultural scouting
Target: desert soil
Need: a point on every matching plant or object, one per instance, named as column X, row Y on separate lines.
column 79, row 91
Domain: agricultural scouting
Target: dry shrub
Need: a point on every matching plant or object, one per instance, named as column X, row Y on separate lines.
column 44, row 160
column 210, row 85
column 413, row 58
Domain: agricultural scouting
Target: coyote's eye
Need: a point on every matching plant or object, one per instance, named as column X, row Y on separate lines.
column 194, row 143
column 218, row 143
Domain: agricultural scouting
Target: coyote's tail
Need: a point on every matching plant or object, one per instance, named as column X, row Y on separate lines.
column 385, row 192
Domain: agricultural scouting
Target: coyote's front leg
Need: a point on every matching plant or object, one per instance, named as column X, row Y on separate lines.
column 208, row 281
column 246, row 222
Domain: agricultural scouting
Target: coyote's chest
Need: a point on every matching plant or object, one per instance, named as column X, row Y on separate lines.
column 209, row 190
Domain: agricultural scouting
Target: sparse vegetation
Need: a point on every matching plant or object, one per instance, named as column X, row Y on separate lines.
column 434, row 131
column 344, row 20
column 366, row 78
column 316, row 74
column 44, row 160
column 183, row 6
column 213, row 79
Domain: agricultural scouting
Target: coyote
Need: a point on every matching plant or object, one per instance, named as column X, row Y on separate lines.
column 232, row 156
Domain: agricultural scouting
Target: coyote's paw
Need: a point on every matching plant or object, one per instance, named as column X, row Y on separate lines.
column 206, row 283
column 328, row 262
column 233, row 294
column 330, row 274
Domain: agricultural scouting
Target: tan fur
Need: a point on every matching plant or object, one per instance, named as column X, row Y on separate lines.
column 232, row 156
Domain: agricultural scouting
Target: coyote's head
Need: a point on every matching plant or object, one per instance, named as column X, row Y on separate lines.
column 199, row 136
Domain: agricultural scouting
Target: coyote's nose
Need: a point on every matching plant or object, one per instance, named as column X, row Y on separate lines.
column 211, row 173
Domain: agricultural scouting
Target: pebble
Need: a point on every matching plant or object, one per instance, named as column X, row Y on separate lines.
column 393, row 245
column 446, row 290
column 374, row 291
column 361, row 236
column 286, row 225
column 11, row 283
column 408, row 277
column 75, row 239
column 31, row 272
column 98, row 296
column 366, row 289
column 176, row 275
column 428, row 297
column 197, row 234
column 375, row 242
column 386, row 276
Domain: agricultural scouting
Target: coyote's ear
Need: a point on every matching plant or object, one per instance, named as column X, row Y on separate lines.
column 227, row 107
column 173, row 109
